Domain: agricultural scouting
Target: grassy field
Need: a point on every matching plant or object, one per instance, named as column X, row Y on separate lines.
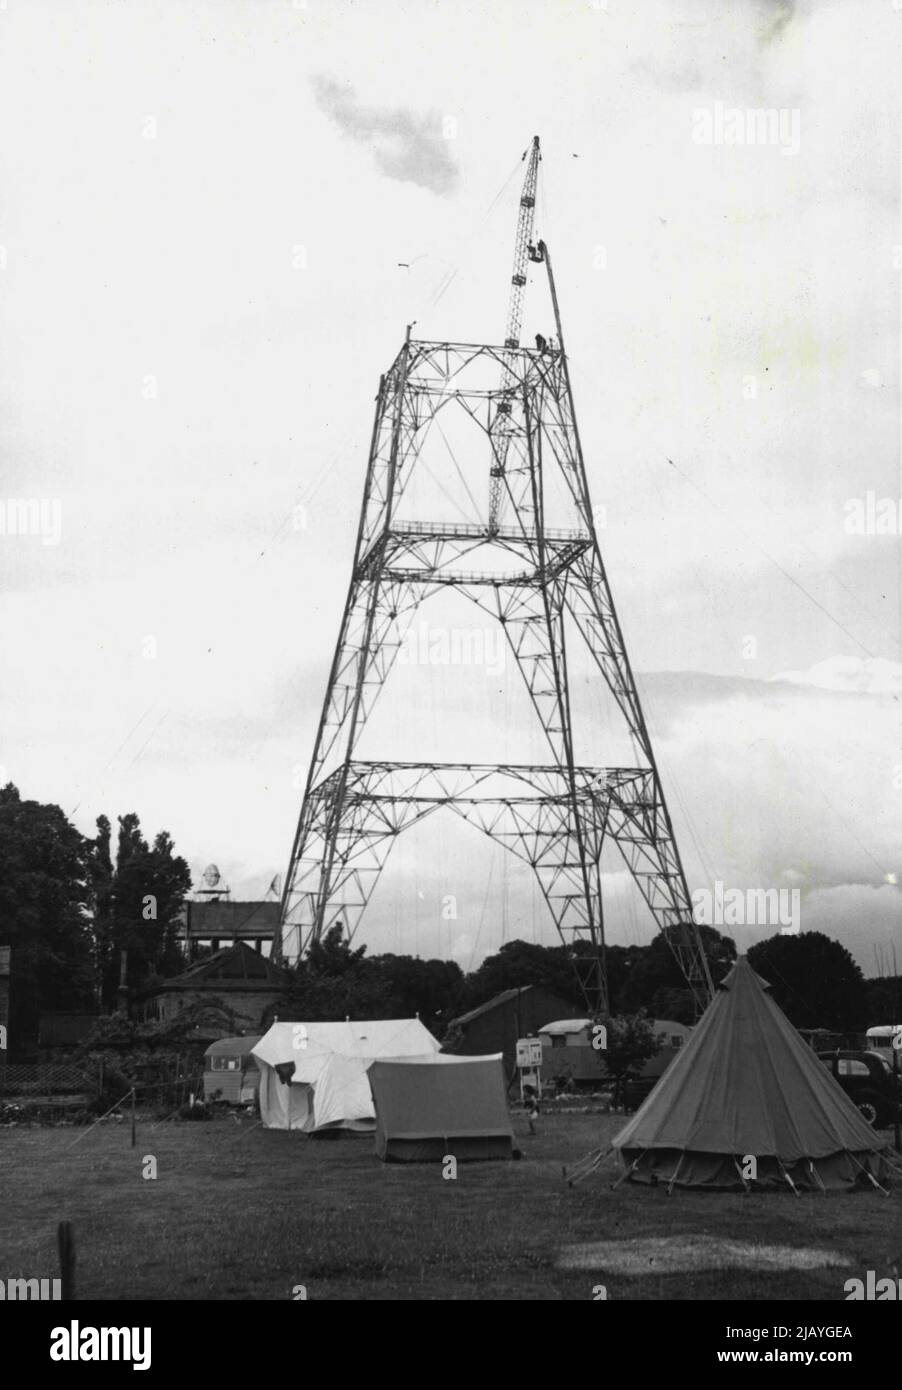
column 238, row 1212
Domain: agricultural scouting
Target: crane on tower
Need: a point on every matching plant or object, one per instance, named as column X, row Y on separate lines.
column 501, row 432
column 553, row 595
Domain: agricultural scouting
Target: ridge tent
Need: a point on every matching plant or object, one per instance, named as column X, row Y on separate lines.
column 313, row 1075
column 430, row 1107
column 746, row 1085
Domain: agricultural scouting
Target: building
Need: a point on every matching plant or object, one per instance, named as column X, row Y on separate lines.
column 217, row 921
column 235, row 990
column 496, row 1025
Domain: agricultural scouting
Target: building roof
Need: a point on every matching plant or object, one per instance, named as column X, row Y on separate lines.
column 232, row 967
column 495, row 1002
column 232, row 1047
column 562, row 1026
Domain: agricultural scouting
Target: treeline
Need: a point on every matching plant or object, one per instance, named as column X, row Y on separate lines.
column 813, row 978
column 70, row 905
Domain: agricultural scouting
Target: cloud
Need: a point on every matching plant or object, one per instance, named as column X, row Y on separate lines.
column 857, row 675
column 777, row 15
column 782, row 773
column 462, row 950
column 408, row 146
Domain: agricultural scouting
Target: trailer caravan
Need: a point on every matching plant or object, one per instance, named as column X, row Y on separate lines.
column 880, row 1038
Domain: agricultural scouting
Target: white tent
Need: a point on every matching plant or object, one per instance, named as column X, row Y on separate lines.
column 324, row 1069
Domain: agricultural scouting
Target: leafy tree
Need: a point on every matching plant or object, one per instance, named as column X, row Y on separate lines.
column 136, row 905
column 520, row 963
column 656, row 983
column 100, row 878
column 332, row 954
column 334, row 981
column 883, row 1000
column 43, row 917
column 430, row 988
column 621, row 961
column 631, row 1042
column 814, row 980
column 360, row 994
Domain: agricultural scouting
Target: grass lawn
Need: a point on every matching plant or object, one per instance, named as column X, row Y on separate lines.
column 238, row 1212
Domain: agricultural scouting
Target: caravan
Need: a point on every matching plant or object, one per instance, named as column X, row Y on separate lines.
column 880, row 1039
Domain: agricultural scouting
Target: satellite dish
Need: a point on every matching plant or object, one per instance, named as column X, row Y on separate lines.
column 211, row 876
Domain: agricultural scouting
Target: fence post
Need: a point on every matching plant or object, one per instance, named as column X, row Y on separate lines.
column 133, row 1117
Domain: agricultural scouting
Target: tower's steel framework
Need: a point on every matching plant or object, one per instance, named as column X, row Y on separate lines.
column 555, row 816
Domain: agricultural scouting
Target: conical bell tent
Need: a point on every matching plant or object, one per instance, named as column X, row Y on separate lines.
column 747, row 1086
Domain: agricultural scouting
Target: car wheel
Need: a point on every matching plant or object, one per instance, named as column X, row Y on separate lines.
column 869, row 1110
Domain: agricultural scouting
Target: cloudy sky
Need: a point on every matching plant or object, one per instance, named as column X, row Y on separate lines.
column 204, row 209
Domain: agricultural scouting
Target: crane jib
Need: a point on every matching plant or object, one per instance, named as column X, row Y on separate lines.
column 502, row 424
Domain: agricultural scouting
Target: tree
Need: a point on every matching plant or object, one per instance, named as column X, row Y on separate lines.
column 332, row 955
column 621, row 961
column 814, row 980
column 135, row 905
column 429, row 988
column 334, row 981
column 656, row 983
column 631, row 1042
column 43, row 912
column 100, row 878
column 520, row 963
column 883, row 1000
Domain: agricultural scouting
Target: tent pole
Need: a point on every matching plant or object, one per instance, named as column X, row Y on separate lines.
column 869, row 1175
column 745, row 1183
column 585, row 1166
column 626, row 1173
column 817, row 1176
column 787, row 1177
column 580, row 1163
column 586, row 1172
column 889, row 1162
column 675, row 1172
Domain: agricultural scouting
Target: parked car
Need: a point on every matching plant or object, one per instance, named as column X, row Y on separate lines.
column 868, row 1079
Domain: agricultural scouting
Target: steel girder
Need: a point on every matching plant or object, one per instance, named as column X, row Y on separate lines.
column 351, row 811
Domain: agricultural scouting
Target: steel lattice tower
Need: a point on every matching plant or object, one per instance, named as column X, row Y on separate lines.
column 557, row 815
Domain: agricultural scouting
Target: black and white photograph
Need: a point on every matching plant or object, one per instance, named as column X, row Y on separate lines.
column 451, row 714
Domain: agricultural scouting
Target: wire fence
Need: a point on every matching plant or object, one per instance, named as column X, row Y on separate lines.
column 63, row 1085
column 47, row 1078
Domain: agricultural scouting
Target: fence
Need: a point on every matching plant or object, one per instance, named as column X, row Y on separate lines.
column 46, row 1078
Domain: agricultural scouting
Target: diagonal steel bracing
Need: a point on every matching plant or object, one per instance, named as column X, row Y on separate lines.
column 537, row 575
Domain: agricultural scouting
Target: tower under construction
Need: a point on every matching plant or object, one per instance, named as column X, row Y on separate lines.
column 533, row 563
